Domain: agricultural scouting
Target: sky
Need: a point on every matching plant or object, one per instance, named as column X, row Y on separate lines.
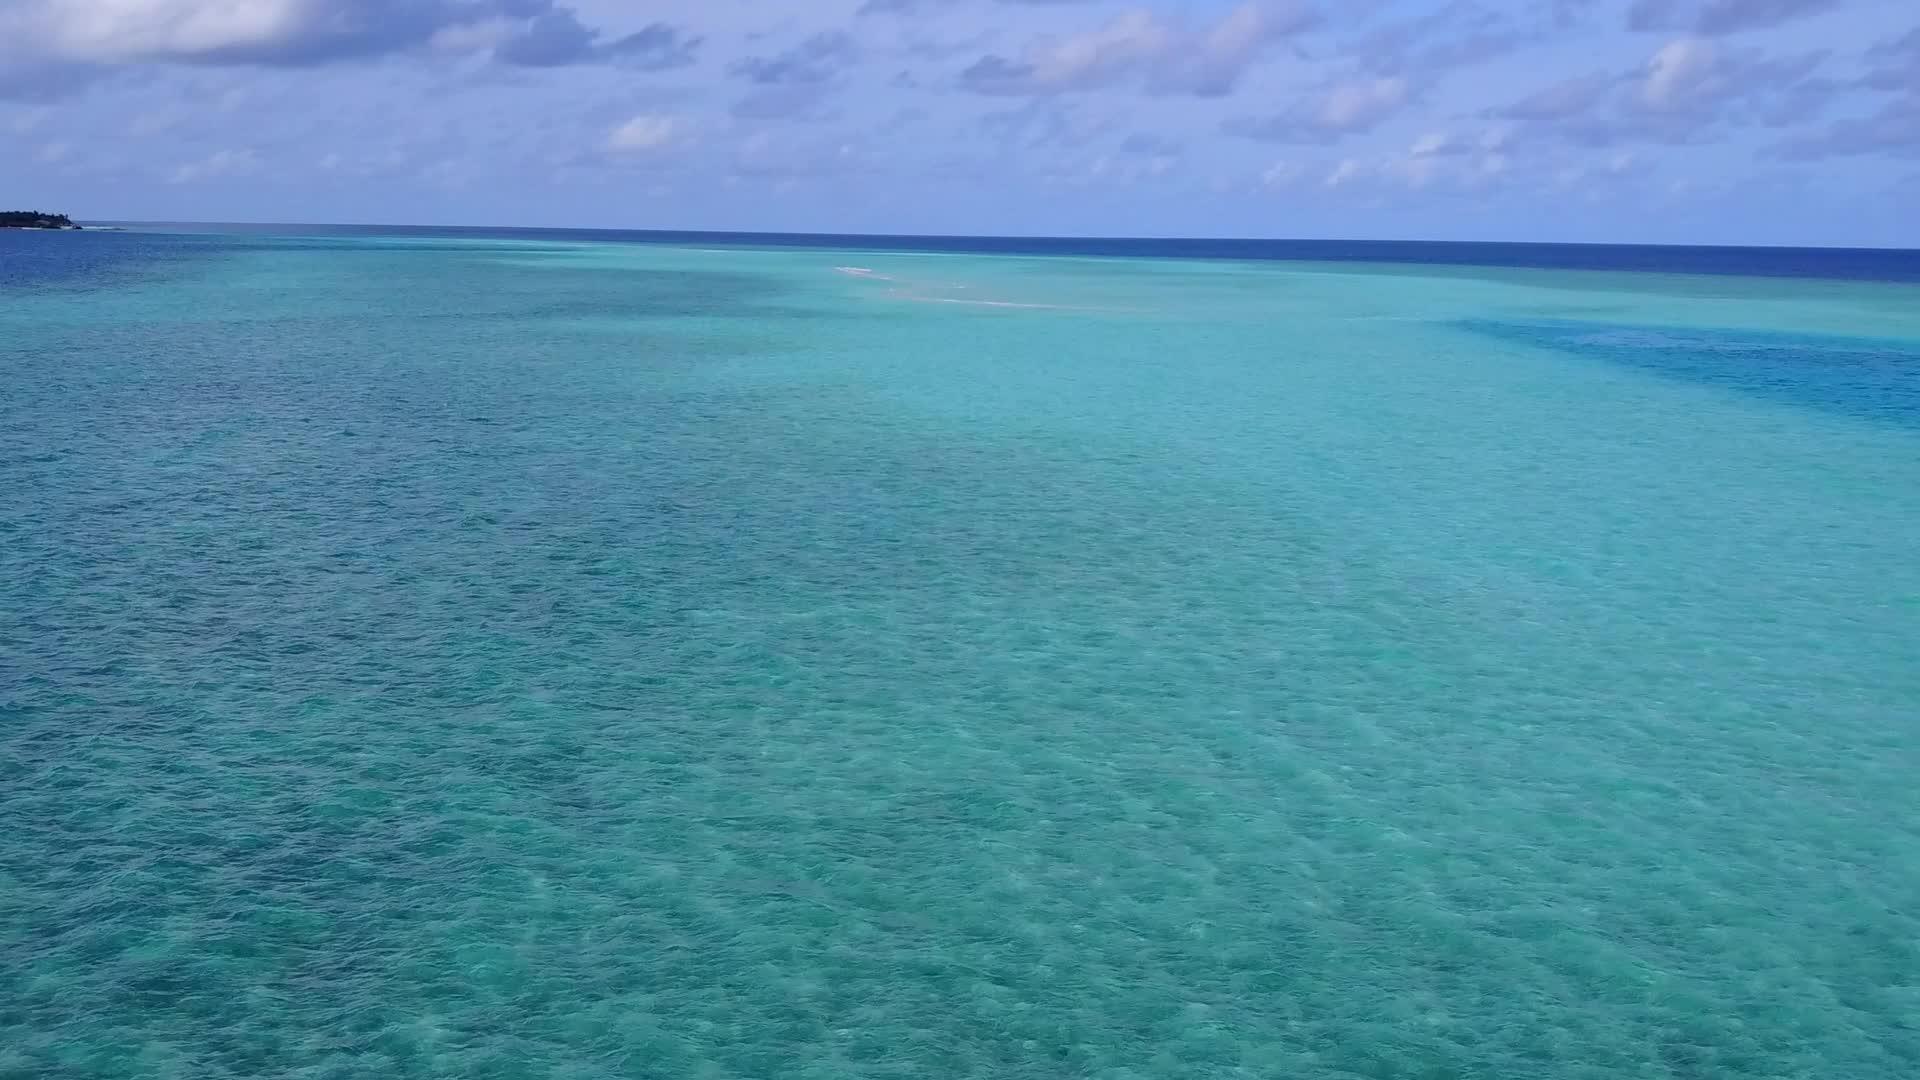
column 1684, row 121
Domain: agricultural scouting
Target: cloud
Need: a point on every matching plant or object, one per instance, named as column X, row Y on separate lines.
column 817, row 59
column 796, row 81
column 304, row 33
column 557, row 38
column 1047, row 123
column 1120, row 168
column 1132, row 42
column 241, row 31
column 1565, row 101
column 219, row 164
column 1678, row 73
column 1461, row 33
column 1894, row 130
column 1689, row 88
column 1799, row 102
column 1139, row 156
column 655, row 47
column 778, row 102
column 549, row 40
column 1713, row 18
column 1140, row 48
column 1443, row 162
column 1436, row 143
column 1281, row 175
column 1453, row 144
column 786, row 156
column 1343, row 109
column 645, row 133
column 1896, row 63
column 1699, row 77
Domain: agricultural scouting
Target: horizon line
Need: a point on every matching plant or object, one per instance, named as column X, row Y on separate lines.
column 1082, row 237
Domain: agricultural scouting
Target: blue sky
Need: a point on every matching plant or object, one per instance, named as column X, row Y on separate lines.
column 1755, row 121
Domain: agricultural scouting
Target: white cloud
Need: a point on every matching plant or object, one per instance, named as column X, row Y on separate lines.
column 644, row 133
column 1360, row 105
column 484, row 35
column 535, row 33
column 1690, row 89
column 1678, row 69
column 220, row 163
column 788, row 156
column 1346, row 172
column 110, row 30
column 1139, row 46
column 1338, row 111
column 1132, row 38
column 1281, row 174
column 23, row 120
column 1437, row 161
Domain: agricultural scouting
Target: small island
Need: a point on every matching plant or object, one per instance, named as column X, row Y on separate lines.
column 34, row 219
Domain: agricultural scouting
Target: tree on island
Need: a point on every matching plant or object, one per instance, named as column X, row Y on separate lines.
column 34, row 219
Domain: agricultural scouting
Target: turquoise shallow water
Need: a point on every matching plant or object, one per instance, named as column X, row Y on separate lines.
column 430, row 658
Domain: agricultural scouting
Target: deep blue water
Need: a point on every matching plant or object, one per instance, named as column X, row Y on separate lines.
column 32, row 260
column 1863, row 377
column 430, row 654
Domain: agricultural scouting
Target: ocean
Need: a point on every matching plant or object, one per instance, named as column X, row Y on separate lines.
column 453, row 653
